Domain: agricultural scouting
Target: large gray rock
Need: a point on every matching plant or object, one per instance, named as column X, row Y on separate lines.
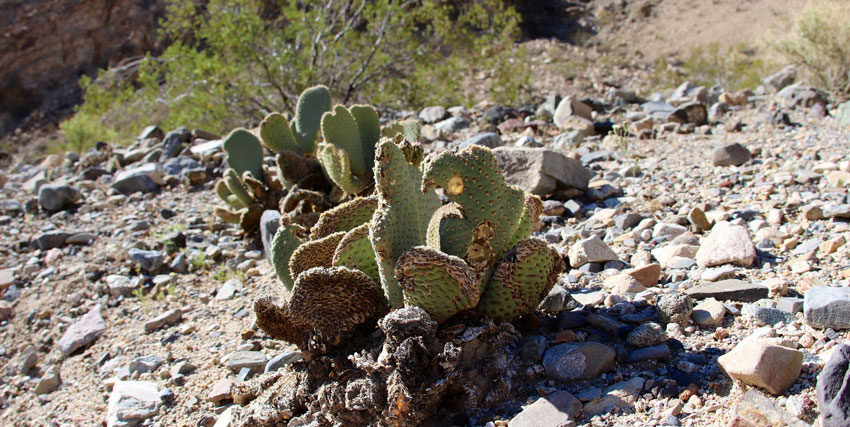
column 800, row 95
column 780, row 79
column 173, row 142
column 832, row 389
column 132, row 402
column 432, row 114
column 269, row 223
column 541, row 171
column 145, row 178
column 83, row 332
column 57, row 197
column 730, row 155
column 731, row 289
column 572, row 361
column 726, row 244
column 149, row 261
column 554, row 410
column 827, row 307
column 486, row 139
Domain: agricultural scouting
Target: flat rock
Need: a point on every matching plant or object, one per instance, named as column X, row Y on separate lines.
column 167, row 318
column 83, row 332
column 541, row 171
column 647, row 275
column 620, row 396
column 554, row 410
column 726, row 244
column 760, row 363
column 220, row 390
column 253, row 360
column 282, row 360
column 144, row 178
column 49, row 381
column 571, row 361
column 832, row 385
column 591, row 249
column 827, row 307
column 767, row 315
column 132, row 402
column 731, row 289
column 754, row 409
column 51, row 239
column 730, row 155
column 660, row 351
column 121, row 285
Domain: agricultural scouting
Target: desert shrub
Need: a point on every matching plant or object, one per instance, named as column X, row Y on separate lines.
column 228, row 62
column 734, row 68
column 819, row 43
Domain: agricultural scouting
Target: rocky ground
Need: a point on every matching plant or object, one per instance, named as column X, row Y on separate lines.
column 708, row 281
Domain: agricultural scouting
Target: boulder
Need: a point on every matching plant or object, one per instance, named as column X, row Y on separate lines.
column 541, row 171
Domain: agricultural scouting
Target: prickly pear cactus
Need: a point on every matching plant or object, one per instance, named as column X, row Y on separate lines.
column 344, row 217
column 355, row 251
column 401, row 219
column 521, row 280
column 407, row 129
column 348, row 153
column 300, row 134
column 244, row 153
column 441, row 284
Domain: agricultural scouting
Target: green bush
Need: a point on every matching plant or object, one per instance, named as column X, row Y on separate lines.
column 228, row 61
column 819, row 43
column 734, row 68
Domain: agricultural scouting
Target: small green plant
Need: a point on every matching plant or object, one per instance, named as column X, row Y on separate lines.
column 733, row 68
column 144, row 299
column 83, row 131
column 225, row 274
column 198, row 261
column 819, row 43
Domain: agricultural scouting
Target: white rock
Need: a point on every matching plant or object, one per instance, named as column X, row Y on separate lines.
column 727, row 244
column 132, row 402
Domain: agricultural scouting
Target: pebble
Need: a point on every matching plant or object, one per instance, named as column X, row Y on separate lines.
column 253, row 360
column 281, row 360
column 647, row 335
column 675, row 308
column 149, row 261
column 709, row 313
column 49, row 381
column 169, row 317
column 660, row 351
column 730, row 155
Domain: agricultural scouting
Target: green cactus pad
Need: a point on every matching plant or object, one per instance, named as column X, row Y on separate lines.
column 521, row 280
column 407, row 129
column 313, row 103
column 472, row 178
column 530, row 215
column 276, row 134
column 369, row 127
column 285, row 242
column 339, row 127
column 337, row 166
column 244, row 152
column 441, row 284
column 224, row 194
column 355, row 252
column 401, row 220
column 345, row 217
column 236, row 188
column 328, row 302
column 448, row 232
column 315, row 253
column 256, row 188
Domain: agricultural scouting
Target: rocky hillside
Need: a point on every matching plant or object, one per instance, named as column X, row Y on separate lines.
column 707, row 281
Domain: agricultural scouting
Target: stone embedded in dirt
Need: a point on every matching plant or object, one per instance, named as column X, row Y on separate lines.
column 591, row 249
column 149, row 261
column 832, row 385
column 57, row 197
column 432, row 114
column 760, row 363
column 791, row 305
column 220, row 390
column 731, row 289
column 253, row 360
column 660, row 351
column 827, row 307
column 132, row 402
column 144, row 364
column 573, row 361
column 675, row 308
column 755, row 409
column 83, row 332
column 691, row 112
column 5, row 310
column 554, row 410
column 7, row 278
column 767, row 315
column 49, row 381
column 647, row 335
column 668, row 254
column 50, row 240
column 726, row 244
column 167, row 318
column 121, row 285
column 709, row 313
column 730, row 155
column 541, row 171
column 619, row 396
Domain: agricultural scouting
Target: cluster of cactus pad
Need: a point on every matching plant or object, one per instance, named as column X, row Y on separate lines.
column 304, row 165
column 402, row 247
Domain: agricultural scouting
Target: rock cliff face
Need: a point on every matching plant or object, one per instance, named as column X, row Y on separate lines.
column 48, row 44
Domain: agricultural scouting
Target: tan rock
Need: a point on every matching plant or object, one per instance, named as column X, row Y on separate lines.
column 727, row 244
column 647, row 275
column 622, row 284
column 831, row 245
column 709, row 313
column 221, row 390
column 666, row 254
column 759, row 363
